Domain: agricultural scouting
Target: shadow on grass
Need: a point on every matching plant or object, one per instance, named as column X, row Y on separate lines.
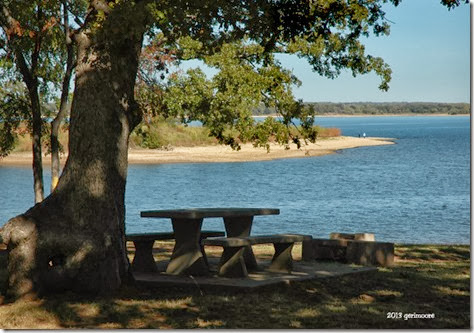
column 439, row 286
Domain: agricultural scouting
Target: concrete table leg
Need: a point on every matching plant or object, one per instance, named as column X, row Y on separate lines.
column 232, row 263
column 187, row 258
column 282, row 260
column 240, row 227
column 143, row 260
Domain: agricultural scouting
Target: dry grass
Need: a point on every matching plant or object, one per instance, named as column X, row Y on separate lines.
column 158, row 134
column 24, row 142
column 328, row 132
column 425, row 279
column 165, row 133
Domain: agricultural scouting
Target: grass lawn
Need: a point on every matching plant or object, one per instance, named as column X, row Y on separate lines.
column 427, row 279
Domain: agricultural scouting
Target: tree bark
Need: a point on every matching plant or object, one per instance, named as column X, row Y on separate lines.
column 56, row 123
column 37, row 156
column 31, row 82
column 75, row 239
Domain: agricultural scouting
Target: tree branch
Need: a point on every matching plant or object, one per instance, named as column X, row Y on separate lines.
column 100, row 5
column 9, row 24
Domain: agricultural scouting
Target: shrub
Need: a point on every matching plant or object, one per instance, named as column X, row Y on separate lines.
column 161, row 133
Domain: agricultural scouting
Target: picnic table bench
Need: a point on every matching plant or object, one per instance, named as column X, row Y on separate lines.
column 232, row 263
column 144, row 261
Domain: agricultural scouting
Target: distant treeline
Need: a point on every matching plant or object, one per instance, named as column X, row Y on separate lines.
column 326, row 108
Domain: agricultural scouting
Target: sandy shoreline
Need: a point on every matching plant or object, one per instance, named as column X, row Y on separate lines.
column 218, row 153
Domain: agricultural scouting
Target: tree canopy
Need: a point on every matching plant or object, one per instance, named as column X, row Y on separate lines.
column 35, row 47
column 240, row 40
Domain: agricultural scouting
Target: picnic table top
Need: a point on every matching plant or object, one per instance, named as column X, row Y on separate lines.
column 198, row 213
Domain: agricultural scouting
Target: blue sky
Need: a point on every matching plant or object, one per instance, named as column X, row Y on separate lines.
column 428, row 50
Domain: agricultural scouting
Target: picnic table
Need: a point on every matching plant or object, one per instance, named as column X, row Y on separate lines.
column 187, row 257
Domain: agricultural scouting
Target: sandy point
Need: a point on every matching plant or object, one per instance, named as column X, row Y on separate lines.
column 219, row 153
column 248, row 152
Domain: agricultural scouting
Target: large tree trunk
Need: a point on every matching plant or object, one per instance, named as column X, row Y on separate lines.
column 75, row 238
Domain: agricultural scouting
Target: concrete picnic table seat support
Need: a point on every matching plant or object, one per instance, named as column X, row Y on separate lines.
column 241, row 227
column 233, row 264
column 143, row 260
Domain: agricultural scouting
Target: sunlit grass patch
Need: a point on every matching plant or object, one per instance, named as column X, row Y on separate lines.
column 295, row 324
column 451, row 291
column 386, row 292
column 307, row 313
column 176, row 303
column 374, row 311
column 363, row 299
column 336, row 307
column 200, row 323
column 432, row 252
column 27, row 315
column 463, row 275
column 86, row 311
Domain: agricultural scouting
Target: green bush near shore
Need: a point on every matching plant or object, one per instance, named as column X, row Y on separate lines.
column 427, row 279
column 161, row 133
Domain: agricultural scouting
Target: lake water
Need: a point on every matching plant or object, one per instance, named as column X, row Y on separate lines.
column 416, row 191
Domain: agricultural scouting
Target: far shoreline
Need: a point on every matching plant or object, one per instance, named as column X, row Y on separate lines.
column 373, row 115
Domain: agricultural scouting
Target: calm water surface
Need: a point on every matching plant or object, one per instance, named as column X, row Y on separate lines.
column 416, row 191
